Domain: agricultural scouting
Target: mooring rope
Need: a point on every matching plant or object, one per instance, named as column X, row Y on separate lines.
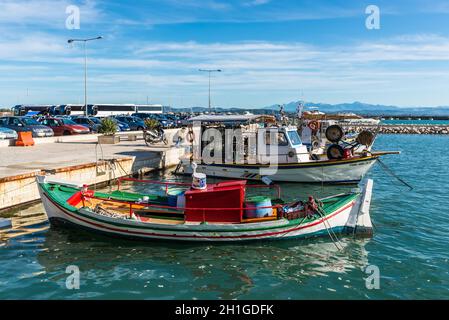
column 328, row 227
column 390, row 172
column 96, row 163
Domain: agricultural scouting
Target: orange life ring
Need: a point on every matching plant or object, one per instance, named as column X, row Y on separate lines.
column 314, row 125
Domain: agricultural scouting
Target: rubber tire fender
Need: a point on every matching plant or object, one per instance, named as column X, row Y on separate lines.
column 335, row 152
column 334, row 133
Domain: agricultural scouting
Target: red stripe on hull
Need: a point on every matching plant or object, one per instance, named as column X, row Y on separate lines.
column 249, row 236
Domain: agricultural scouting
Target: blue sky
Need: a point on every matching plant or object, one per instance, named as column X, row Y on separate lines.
column 271, row 52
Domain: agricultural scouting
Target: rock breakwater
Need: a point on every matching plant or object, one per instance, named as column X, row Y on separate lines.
column 400, row 129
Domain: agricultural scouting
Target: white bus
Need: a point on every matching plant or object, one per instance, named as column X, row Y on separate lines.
column 150, row 108
column 105, row 110
column 23, row 110
column 99, row 110
column 68, row 109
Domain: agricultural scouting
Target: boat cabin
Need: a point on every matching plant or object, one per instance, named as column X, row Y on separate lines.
column 224, row 200
column 283, row 140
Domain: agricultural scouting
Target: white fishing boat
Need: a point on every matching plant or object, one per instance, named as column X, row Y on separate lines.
column 292, row 162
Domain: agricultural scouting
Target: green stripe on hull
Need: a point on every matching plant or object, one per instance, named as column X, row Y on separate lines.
column 60, row 195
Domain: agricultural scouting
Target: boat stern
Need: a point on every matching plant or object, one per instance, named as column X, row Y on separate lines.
column 359, row 221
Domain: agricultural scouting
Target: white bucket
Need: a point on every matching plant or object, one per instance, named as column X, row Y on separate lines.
column 199, row 181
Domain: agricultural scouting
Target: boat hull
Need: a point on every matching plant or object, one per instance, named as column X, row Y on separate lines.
column 341, row 171
column 341, row 220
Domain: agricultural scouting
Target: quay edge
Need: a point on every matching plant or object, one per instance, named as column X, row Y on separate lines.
column 22, row 189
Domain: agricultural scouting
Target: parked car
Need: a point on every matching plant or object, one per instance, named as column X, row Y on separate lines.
column 136, row 124
column 87, row 122
column 184, row 119
column 26, row 124
column 64, row 126
column 175, row 119
column 143, row 116
column 121, row 125
column 6, row 133
column 165, row 121
column 97, row 121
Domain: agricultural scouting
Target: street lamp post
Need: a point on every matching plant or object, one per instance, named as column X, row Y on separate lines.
column 209, row 71
column 85, row 67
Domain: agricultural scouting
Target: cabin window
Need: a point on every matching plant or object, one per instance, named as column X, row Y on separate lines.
column 294, row 138
column 281, row 139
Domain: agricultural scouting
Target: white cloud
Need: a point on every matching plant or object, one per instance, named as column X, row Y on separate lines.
column 43, row 12
column 30, row 47
column 264, row 72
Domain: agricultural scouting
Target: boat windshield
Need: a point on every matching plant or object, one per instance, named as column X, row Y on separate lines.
column 294, row 138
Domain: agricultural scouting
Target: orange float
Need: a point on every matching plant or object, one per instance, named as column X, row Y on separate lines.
column 314, row 125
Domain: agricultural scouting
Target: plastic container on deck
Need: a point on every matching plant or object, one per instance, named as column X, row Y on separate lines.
column 255, row 207
column 173, row 195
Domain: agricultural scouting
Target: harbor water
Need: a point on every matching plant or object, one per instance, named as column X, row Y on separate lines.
column 409, row 248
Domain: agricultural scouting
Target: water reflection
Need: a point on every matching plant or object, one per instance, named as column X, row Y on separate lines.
column 116, row 268
column 196, row 270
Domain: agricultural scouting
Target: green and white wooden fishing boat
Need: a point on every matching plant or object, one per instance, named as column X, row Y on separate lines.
column 217, row 212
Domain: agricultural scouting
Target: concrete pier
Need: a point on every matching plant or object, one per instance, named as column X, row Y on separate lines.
column 83, row 161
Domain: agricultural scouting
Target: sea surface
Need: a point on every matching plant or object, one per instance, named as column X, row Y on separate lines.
column 410, row 248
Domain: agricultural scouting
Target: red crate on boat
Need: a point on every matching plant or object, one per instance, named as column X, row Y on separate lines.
column 226, row 198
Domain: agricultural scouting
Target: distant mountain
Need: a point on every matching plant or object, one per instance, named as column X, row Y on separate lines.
column 355, row 107
column 368, row 109
column 217, row 109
